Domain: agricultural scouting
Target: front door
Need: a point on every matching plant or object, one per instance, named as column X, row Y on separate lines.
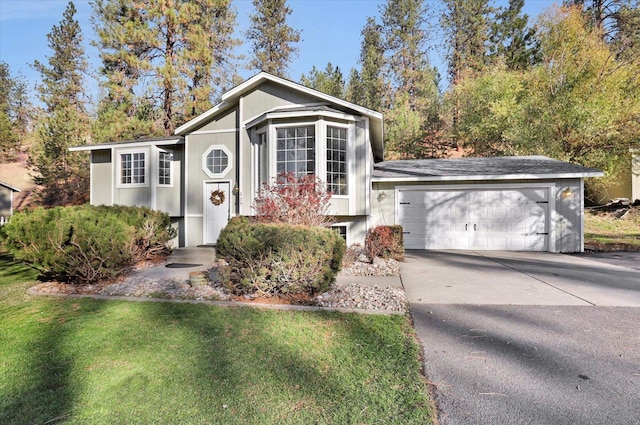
column 216, row 210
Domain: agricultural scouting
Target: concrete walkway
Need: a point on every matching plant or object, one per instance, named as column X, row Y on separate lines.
column 180, row 263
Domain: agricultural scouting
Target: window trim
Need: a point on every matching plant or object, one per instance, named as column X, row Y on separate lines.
column 348, row 160
column 171, row 175
column 316, row 144
column 121, row 152
column 347, row 226
column 204, row 161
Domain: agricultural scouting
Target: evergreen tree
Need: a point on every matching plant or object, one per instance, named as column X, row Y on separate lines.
column 184, row 45
column 511, row 39
column 272, row 39
column 372, row 63
column 62, row 175
column 466, row 25
column 412, row 99
column 15, row 112
column 329, row 81
column 355, row 90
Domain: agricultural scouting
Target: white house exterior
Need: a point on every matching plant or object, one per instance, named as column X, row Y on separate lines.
column 269, row 125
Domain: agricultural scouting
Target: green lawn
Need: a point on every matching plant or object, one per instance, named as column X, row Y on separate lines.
column 87, row 361
column 604, row 231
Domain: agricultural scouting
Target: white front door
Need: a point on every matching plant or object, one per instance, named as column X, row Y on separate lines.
column 215, row 216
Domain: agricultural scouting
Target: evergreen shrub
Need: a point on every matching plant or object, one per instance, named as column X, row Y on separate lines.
column 267, row 259
column 85, row 243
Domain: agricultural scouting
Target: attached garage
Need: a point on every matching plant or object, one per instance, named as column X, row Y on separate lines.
column 506, row 203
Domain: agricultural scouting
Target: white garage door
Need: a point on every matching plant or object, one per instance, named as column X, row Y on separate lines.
column 514, row 219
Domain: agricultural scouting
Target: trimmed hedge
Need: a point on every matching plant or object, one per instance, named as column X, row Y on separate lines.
column 86, row 243
column 278, row 259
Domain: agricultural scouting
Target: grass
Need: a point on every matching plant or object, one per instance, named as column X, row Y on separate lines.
column 79, row 361
column 606, row 232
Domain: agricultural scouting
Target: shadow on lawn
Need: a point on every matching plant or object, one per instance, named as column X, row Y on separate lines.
column 37, row 387
column 278, row 366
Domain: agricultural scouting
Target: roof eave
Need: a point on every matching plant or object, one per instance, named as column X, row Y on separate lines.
column 132, row 144
column 229, row 98
column 8, row 186
column 393, row 179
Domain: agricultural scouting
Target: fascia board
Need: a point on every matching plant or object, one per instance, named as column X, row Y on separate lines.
column 487, row 177
column 168, row 142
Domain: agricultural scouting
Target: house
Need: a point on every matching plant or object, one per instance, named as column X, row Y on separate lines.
column 268, row 125
column 6, row 201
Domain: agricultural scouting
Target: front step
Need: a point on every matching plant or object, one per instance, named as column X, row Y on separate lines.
column 198, row 255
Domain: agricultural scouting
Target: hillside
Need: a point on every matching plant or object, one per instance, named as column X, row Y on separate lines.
column 17, row 175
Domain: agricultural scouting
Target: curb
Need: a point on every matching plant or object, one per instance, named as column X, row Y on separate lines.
column 285, row 307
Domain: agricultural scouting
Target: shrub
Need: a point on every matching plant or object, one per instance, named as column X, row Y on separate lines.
column 294, row 200
column 384, row 241
column 86, row 243
column 278, row 259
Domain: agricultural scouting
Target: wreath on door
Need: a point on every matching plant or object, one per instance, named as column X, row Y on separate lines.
column 217, row 197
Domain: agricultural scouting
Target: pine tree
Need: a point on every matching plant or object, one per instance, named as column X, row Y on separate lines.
column 272, row 39
column 184, row 46
column 466, row 25
column 354, row 90
column 62, row 175
column 15, row 111
column 412, row 100
column 372, row 62
column 511, row 39
column 329, row 81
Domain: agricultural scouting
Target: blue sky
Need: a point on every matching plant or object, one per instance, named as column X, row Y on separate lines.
column 330, row 32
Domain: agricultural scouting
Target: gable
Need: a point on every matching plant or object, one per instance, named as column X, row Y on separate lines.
column 265, row 92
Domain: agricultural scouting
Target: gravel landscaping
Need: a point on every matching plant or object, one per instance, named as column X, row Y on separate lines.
column 344, row 296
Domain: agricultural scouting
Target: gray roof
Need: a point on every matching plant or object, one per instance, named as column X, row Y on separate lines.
column 505, row 167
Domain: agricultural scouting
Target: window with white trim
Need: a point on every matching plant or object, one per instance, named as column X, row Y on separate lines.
column 216, row 161
column 296, row 150
column 132, row 168
column 337, row 160
column 164, row 167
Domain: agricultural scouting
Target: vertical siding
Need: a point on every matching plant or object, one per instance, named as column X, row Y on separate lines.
column 170, row 198
column 102, row 183
column 225, row 121
column 568, row 216
column 5, row 201
column 136, row 195
column 268, row 96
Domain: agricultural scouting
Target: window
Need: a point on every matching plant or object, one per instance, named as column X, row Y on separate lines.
column 296, row 150
column 132, row 168
column 216, row 161
column 337, row 160
column 262, row 159
column 164, row 168
column 341, row 230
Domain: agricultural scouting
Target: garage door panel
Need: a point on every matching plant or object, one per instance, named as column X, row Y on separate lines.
column 492, row 219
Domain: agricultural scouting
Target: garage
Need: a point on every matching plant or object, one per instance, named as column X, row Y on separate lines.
column 514, row 219
column 531, row 203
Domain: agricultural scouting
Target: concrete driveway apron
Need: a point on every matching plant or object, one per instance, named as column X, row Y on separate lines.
column 527, row 338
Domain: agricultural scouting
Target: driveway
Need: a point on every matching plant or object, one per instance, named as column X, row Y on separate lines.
column 527, row 338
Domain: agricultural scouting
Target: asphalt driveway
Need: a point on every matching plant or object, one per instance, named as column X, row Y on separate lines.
column 526, row 338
